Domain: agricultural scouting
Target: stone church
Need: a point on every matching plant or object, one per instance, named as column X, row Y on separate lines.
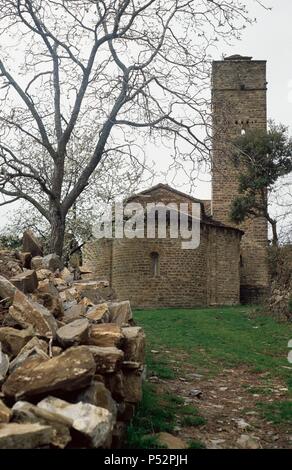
column 230, row 264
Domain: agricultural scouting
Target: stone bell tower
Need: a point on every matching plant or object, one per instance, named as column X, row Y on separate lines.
column 238, row 104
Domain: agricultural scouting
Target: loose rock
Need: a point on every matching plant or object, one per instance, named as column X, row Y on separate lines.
column 106, row 334
column 74, row 333
column 24, row 412
column 52, row 262
column 5, row 413
column 90, row 290
column 134, row 344
column 31, row 245
column 67, row 276
column 14, row 340
column 24, row 436
column 25, row 355
column 27, row 281
column 247, row 442
column 51, row 302
column 43, row 274
column 93, row 422
column 25, row 259
column 120, row 312
column 4, row 364
column 106, row 359
column 98, row 314
column 133, row 386
column 115, row 383
column 76, row 312
column 27, row 313
column 37, row 263
column 98, row 395
column 35, row 343
column 7, row 289
column 69, row 371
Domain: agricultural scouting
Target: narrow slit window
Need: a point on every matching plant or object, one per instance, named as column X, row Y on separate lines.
column 154, row 263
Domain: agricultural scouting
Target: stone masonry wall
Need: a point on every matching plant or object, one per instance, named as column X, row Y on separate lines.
column 71, row 357
column 187, row 278
column 223, row 267
column 97, row 257
column 239, row 102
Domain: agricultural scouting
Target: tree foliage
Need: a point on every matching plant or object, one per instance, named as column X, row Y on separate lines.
column 262, row 158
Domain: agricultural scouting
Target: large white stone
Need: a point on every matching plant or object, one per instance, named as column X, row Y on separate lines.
column 25, row 412
column 94, row 423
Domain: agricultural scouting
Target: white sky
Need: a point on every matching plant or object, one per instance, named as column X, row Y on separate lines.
column 269, row 39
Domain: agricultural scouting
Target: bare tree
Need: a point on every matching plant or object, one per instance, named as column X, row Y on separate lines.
column 112, row 180
column 94, row 75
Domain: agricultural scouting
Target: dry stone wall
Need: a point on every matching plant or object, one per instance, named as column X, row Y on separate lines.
column 71, row 357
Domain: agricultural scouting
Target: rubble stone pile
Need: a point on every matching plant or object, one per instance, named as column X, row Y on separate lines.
column 71, row 357
column 280, row 300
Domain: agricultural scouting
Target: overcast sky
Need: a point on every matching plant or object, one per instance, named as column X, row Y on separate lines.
column 269, row 39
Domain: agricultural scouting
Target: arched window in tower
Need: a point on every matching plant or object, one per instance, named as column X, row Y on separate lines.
column 155, row 268
column 242, row 131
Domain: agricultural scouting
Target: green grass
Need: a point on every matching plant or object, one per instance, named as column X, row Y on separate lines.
column 209, row 338
column 278, row 412
column 259, row 390
column 160, row 367
column 193, row 421
column 159, row 412
column 206, row 340
column 196, row 445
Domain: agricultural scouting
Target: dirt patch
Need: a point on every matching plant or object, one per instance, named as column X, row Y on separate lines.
column 228, row 402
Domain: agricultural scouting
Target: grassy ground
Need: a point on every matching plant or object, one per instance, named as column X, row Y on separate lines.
column 208, row 340
column 160, row 412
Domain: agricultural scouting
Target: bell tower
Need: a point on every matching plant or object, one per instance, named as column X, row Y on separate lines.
column 239, row 90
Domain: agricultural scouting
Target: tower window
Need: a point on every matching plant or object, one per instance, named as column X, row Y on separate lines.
column 242, row 131
column 155, row 263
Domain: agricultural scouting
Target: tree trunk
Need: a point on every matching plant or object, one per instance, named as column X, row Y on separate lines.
column 273, row 223
column 275, row 233
column 57, row 233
